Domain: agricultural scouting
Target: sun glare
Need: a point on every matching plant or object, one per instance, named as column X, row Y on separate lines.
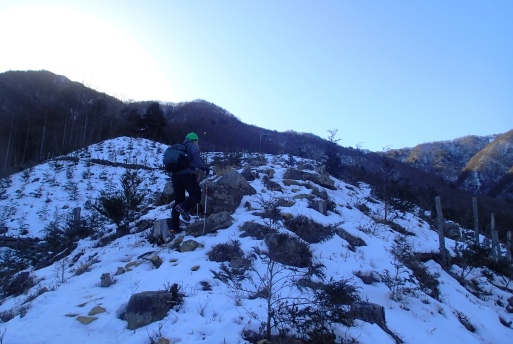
column 82, row 48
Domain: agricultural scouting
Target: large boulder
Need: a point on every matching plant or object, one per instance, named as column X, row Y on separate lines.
column 226, row 194
column 150, row 306
column 211, row 224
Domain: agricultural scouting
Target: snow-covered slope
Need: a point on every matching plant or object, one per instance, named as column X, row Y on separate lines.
column 35, row 198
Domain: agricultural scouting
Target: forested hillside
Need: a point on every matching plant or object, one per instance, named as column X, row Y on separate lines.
column 43, row 115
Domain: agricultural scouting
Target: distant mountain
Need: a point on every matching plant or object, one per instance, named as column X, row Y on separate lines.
column 482, row 165
column 490, row 171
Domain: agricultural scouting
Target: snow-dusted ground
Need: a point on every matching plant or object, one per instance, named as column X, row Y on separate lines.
column 51, row 190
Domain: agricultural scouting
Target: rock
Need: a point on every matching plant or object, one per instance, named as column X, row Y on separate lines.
column 369, row 312
column 156, row 261
column 20, row 284
column 323, row 179
column 85, row 320
column 213, row 223
column 96, row 310
column 452, row 230
column 309, row 230
column 319, row 205
column 189, row 246
column 149, row 306
column 248, row 174
column 167, row 195
column 351, row 239
column 106, row 280
column 226, row 194
column 288, row 250
column 255, row 230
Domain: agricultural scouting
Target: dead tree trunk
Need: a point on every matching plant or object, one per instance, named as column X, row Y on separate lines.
column 476, row 222
column 76, row 219
column 160, row 229
column 441, row 237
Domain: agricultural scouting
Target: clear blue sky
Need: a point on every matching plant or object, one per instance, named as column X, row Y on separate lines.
column 384, row 73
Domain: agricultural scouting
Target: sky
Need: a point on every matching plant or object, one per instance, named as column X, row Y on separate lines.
column 385, row 75
column 216, row 316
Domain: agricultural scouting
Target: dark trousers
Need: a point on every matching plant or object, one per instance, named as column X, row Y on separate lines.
column 181, row 183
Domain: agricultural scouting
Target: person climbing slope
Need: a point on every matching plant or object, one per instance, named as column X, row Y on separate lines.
column 187, row 179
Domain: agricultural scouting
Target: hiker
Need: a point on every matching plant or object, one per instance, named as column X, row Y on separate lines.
column 187, row 179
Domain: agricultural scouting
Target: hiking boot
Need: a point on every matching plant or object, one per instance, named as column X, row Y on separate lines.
column 185, row 215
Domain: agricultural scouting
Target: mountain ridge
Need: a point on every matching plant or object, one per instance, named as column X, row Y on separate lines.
column 478, row 164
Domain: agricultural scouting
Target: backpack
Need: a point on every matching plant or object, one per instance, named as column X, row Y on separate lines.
column 175, row 158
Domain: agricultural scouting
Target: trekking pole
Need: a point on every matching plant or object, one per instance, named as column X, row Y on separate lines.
column 205, row 209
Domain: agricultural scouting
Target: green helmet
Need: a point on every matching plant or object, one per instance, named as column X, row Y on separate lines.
column 192, row 137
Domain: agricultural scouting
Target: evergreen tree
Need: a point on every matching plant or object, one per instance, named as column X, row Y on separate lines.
column 154, row 122
column 332, row 160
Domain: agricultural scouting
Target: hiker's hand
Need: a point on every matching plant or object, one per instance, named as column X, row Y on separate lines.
column 198, row 178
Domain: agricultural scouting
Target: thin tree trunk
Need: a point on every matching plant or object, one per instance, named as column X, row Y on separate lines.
column 441, row 237
column 9, row 144
column 496, row 249
column 85, row 130
column 508, row 246
column 63, row 147
column 25, row 147
column 43, row 138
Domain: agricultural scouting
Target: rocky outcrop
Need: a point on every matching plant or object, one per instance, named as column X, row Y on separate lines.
column 288, row 250
column 211, row 224
column 150, row 306
column 322, row 179
column 226, row 194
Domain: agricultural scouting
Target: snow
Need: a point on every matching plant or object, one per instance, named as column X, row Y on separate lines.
column 42, row 194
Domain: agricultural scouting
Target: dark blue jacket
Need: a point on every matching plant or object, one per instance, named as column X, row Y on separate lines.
column 195, row 162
